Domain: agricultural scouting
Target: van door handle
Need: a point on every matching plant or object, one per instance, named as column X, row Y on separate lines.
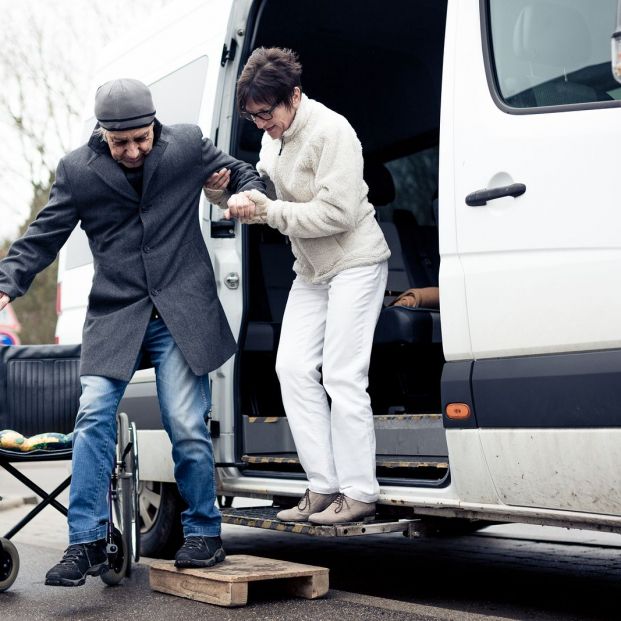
column 480, row 197
column 222, row 228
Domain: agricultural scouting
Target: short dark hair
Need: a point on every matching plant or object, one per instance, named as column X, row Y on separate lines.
column 269, row 77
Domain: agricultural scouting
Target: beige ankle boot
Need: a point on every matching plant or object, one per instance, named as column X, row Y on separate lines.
column 344, row 509
column 311, row 502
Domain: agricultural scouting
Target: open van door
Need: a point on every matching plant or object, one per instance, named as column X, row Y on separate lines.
column 534, row 131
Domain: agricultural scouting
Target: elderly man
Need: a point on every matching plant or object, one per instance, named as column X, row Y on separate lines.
column 134, row 189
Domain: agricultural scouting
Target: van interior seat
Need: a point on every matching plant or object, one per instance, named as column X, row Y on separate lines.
column 538, row 36
column 276, row 262
column 415, row 262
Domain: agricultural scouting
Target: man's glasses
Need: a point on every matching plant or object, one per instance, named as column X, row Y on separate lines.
column 264, row 115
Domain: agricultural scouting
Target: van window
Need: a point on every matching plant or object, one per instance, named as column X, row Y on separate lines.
column 416, row 185
column 178, row 98
column 179, row 95
column 549, row 53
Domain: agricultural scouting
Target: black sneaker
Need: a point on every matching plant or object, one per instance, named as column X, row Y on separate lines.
column 200, row 552
column 80, row 560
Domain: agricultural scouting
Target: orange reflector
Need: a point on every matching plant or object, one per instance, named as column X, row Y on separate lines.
column 457, row 411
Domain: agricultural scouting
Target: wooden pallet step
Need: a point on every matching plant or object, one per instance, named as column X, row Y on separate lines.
column 226, row 584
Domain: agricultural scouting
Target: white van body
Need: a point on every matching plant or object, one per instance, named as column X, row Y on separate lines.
column 530, row 295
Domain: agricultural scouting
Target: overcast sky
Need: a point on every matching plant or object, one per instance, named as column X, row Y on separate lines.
column 74, row 31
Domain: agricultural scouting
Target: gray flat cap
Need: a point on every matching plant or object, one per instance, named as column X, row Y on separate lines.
column 124, row 104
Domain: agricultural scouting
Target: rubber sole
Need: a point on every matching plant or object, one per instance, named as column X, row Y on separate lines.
column 218, row 557
column 365, row 520
column 96, row 570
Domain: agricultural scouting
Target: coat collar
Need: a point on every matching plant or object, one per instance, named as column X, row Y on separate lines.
column 110, row 172
column 300, row 119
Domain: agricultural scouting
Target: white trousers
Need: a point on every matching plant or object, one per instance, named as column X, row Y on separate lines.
column 328, row 330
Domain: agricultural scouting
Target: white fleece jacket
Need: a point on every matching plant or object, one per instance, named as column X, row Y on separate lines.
column 320, row 196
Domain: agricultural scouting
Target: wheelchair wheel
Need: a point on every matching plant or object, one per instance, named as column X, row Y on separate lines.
column 9, row 564
column 124, row 502
column 122, row 561
column 135, row 470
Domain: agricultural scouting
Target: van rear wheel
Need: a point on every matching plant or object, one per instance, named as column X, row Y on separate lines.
column 160, row 519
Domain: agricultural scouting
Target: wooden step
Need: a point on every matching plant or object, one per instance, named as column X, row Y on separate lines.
column 265, row 517
column 226, row 584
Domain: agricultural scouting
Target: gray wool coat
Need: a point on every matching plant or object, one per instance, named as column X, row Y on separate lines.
column 148, row 250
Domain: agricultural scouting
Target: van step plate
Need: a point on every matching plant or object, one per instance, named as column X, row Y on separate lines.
column 265, row 517
column 382, row 461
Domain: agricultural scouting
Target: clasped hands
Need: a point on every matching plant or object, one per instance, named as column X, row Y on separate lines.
column 247, row 206
column 241, row 207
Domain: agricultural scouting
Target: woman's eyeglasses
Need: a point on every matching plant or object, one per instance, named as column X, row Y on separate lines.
column 264, row 115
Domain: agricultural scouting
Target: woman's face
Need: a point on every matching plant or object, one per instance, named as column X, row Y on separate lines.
column 282, row 116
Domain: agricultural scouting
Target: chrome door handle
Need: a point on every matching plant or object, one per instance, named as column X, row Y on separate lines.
column 480, row 197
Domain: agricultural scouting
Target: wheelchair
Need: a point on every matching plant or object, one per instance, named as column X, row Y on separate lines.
column 40, row 387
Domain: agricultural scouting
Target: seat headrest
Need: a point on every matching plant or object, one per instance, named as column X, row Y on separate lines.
column 552, row 34
column 381, row 185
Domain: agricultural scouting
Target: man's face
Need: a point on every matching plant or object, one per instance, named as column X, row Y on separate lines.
column 130, row 147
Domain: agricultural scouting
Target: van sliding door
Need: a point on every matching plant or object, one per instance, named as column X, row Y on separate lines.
column 537, row 219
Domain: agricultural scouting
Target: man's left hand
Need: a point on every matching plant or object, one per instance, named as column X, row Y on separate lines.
column 4, row 300
column 219, row 180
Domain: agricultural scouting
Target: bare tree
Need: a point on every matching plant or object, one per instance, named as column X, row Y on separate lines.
column 46, row 60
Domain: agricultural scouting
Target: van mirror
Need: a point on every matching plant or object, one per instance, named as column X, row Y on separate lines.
column 616, row 46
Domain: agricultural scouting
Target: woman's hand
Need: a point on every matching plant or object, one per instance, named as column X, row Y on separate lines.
column 249, row 207
column 219, row 180
column 240, row 207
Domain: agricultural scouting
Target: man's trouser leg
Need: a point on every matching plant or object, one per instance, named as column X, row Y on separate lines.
column 185, row 403
column 94, row 442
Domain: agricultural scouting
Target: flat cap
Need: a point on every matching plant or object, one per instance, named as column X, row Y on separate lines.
column 124, row 104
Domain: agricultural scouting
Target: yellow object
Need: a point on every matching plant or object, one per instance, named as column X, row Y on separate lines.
column 14, row 441
column 11, row 440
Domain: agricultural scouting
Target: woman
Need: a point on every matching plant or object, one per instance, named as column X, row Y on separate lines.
column 312, row 159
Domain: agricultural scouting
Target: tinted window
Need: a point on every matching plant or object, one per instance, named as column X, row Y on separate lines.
column 177, row 97
column 553, row 53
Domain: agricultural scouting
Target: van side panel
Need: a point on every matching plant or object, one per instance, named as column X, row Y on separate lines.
column 541, row 277
column 537, row 266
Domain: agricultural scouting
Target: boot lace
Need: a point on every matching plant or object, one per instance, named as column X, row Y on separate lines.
column 339, row 501
column 72, row 555
column 193, row 543
column 305, row 501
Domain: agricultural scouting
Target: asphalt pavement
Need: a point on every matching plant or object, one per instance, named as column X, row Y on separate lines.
column 30, row 599
column 503, row 572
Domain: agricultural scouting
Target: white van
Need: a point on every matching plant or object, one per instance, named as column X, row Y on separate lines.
column 488, row 134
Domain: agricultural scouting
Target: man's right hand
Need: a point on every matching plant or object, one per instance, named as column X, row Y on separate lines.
column 4, row 300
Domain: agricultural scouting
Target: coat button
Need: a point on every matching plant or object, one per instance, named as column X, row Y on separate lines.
column 155, row 292
column 146, row 249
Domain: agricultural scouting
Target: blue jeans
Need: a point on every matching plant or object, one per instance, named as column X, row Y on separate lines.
column 185, row 403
